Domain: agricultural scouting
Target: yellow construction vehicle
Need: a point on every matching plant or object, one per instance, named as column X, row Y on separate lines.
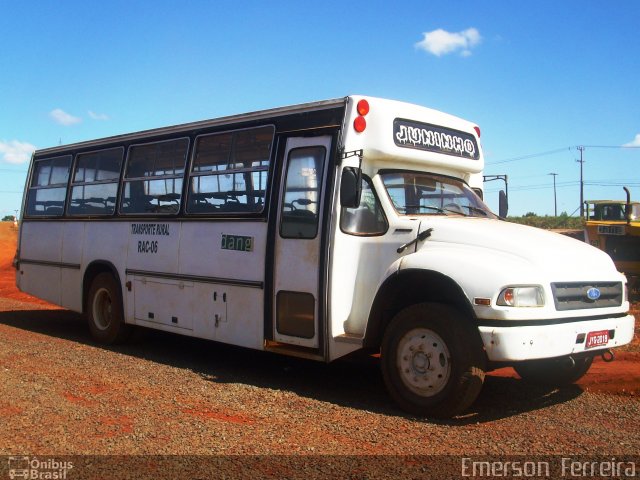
column 614, row 226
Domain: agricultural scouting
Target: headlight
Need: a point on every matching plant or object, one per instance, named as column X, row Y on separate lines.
column 521, row 297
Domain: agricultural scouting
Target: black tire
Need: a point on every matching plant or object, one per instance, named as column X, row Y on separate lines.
column 432, row 360
column 554, row 371
column 104, row 310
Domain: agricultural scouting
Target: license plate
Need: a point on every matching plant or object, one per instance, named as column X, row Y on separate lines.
column 597, row 339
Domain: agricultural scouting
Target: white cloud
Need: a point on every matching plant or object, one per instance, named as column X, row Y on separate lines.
column 440, row 42
column 16, row 152
column 634, row 143
column 63, row 118
column 98, row 116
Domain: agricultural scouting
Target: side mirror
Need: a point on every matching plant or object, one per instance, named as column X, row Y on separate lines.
column 503, row 204
column 627, row 207
column 350, row 187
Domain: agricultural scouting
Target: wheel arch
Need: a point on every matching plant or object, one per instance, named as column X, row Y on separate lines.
column 92, row 271
column 409, row 287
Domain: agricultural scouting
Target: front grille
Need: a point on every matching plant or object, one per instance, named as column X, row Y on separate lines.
column 573, row 295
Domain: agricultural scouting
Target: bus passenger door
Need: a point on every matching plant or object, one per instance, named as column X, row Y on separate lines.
column 297, row 268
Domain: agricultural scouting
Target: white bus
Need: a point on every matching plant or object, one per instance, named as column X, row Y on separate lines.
column 317, row 230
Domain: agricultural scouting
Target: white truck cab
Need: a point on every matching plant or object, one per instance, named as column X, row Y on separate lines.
column 447, row 288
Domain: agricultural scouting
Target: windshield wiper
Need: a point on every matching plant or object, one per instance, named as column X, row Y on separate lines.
column 476, row 209
column 457, row 212
column 428, row 207
column 421, row 236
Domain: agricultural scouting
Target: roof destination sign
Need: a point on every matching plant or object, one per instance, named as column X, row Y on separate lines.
column 433, row 138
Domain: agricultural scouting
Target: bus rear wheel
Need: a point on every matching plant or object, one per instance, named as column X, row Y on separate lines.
column 432, row 360
column 105, row 312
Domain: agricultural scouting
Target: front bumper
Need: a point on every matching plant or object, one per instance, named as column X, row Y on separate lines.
column 547, row 339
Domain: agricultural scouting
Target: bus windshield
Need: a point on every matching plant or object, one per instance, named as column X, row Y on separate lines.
column 417, row 193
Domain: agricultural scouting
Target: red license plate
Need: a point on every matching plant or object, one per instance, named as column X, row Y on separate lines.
column 597, row 339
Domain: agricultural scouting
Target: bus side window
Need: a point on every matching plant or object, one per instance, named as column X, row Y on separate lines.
column 49, row 187
column 368, row 219
column 95, row 182
column 229, row 171
column 153, row 178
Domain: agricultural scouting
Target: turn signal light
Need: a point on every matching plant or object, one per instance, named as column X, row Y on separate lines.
column 485, row 302
column 360, row 124
column 508, row 296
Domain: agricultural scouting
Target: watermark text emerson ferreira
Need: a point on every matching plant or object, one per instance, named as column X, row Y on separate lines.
column 564, row 466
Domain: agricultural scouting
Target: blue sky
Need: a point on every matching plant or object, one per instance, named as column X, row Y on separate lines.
column 539, row 78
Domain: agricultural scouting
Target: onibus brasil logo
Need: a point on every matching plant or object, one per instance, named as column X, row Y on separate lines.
column 33, row 468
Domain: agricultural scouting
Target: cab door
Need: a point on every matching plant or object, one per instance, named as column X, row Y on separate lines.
column 298, row 242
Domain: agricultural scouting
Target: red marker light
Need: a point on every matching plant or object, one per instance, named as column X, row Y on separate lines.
column 477, row 129
column 363, row 107
column 359, row 124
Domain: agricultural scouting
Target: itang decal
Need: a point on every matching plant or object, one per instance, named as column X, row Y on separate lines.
column 237, row 242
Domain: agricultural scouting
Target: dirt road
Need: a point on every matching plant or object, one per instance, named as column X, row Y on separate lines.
column 161, row 394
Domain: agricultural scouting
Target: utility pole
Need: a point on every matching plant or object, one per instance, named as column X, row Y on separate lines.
column 555, row 199
column 581, row 161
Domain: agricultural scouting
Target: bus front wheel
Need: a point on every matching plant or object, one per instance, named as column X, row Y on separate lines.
column 105, row 312
column 432, row 360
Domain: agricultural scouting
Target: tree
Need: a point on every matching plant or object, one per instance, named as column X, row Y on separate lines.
column 8, row 218
column 562, row 221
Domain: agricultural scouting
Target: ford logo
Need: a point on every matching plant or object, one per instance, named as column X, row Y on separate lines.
column 593, row 294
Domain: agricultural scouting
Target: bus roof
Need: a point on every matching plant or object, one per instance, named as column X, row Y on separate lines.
column 243, row 117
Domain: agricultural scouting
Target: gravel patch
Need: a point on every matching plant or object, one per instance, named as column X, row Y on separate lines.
column 163, row 394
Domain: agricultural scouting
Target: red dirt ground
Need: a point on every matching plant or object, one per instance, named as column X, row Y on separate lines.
column 621, row 377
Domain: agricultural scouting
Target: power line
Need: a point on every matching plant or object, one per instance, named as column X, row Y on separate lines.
column 567, row 184
column 532, row 155
column 615, row 180
column 612, row 146
column 610, row 184
column 558, row 150
column 540, row 186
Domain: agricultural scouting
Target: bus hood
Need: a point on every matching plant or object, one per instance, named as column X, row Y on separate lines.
column 526, row 252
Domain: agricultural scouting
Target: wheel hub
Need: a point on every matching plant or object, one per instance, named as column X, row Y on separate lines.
column 102, row 309
column 420, row 363
column 424, row 362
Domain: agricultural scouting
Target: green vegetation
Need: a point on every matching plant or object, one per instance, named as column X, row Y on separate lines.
column 561, row 221
column 8, row 218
